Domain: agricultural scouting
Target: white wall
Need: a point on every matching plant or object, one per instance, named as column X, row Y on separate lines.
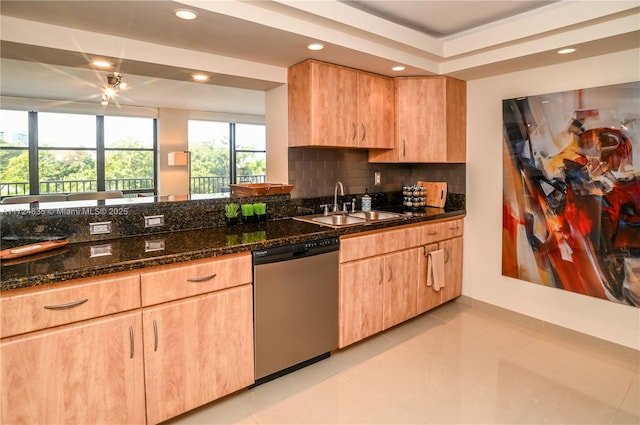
column 172, row 136
column 276, row 120
column 482, row 271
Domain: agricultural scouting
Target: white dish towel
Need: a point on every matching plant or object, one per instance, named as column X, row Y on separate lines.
column 435, row 269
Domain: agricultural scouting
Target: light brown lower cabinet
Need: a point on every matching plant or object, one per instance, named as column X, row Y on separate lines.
column 87, row 373
column 197, row 350
column 76, row 354
column 429, row 298
column 383, row 276
column 377, row 293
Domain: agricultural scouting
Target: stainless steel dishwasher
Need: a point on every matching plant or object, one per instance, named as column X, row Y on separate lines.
column 295, row 306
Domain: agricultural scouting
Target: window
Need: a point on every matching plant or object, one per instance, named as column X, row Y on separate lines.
column 14, row 153
column 224, row 153
column 63, row 153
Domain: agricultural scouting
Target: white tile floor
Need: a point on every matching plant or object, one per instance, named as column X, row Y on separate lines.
column 464, row 362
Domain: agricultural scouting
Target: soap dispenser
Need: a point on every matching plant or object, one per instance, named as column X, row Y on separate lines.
column 366, row 201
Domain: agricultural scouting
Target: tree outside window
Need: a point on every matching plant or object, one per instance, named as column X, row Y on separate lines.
column 224, row 153
column 75, row 153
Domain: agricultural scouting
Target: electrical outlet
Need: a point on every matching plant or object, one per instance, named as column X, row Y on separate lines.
column 377, row 178
column 154, row 245
column 100, row 250
column 154, row 221
column 100, row 228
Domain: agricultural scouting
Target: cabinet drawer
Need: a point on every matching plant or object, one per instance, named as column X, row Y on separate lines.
column 434, row 232
column 168, row 283
column 40, row 309
column 382, row 242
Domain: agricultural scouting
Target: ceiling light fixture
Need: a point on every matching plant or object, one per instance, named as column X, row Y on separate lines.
column 186, row 14
column 200, row 77
column 315, row 46
column 566, row 51
column 114, row 82
column 398, row 68
column 101, row 64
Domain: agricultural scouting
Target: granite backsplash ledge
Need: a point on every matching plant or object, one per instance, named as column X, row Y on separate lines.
column 128, row 220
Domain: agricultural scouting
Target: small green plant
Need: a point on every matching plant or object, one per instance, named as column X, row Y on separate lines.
column 260, row 208
column 247, row 210
column 231, row 210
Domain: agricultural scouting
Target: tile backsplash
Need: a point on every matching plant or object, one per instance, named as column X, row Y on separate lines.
column 315, row 171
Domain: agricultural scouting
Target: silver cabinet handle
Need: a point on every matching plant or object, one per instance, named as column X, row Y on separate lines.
column 381, row 270
column 390, row 273
column 201, row 279
column 67, row 305
column 131, row 341
column 155, row 336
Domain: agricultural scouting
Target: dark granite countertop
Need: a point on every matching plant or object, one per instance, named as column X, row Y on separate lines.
column 87, row 259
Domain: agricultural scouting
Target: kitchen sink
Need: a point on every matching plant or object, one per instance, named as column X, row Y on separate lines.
column 343, row 219
column 338, row 220
column 377, row 215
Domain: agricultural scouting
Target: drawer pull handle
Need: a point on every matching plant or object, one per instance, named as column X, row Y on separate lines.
column 131, row 341
column 67, row 305
column 454, row 228
column 432, row 233
column 201, row 279
column 155, row 336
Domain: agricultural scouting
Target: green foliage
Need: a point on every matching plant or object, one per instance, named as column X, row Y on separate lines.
column 247, row 210
column 231, row 210
column 260, row 208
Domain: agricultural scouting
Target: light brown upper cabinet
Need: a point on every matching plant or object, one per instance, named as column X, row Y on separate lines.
column 334, row 106
column 431, row 121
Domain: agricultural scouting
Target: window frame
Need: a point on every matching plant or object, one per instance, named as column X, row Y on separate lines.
column 100, row 150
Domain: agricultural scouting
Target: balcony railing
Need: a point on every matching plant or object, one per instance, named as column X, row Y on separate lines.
column 199, row 185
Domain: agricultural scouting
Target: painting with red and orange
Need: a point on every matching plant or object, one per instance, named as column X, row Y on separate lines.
column 571, row 191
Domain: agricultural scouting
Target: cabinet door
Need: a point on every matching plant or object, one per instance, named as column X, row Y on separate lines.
column 197, row 350
column 428, row 298
column 375, row 112
column 323, row 105
column 361, row 299
column 452, row 268
column 430, row 121
column 400, row 286
column 80, row 374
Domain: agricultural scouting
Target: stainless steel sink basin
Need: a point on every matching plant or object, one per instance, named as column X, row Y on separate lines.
column 338, row 220
column 376, row 215
column 351, row 219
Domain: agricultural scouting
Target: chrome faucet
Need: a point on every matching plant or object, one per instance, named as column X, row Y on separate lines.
column 336, row 207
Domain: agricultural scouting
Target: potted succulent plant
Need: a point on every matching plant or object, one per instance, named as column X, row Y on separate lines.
column 247, row 213
column 260, row 210
column 231, row 214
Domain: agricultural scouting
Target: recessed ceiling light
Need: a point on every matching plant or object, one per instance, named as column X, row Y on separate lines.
column 186, row 14
column 315, row 46
column 398, row 68
column 200, row 77
column 101, row 64
column 566, row 51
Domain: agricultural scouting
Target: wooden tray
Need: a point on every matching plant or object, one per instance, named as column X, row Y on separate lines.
column 34, row 248
column 256, row 189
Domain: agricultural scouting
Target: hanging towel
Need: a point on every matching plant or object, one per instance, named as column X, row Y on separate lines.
column 435, row 269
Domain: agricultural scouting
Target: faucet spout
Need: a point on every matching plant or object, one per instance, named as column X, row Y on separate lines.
column 336, row 208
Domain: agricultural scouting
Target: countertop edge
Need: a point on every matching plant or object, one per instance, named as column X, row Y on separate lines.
column 319, row 233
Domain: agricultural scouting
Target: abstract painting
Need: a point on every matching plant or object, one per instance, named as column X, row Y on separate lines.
column 571, row 191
